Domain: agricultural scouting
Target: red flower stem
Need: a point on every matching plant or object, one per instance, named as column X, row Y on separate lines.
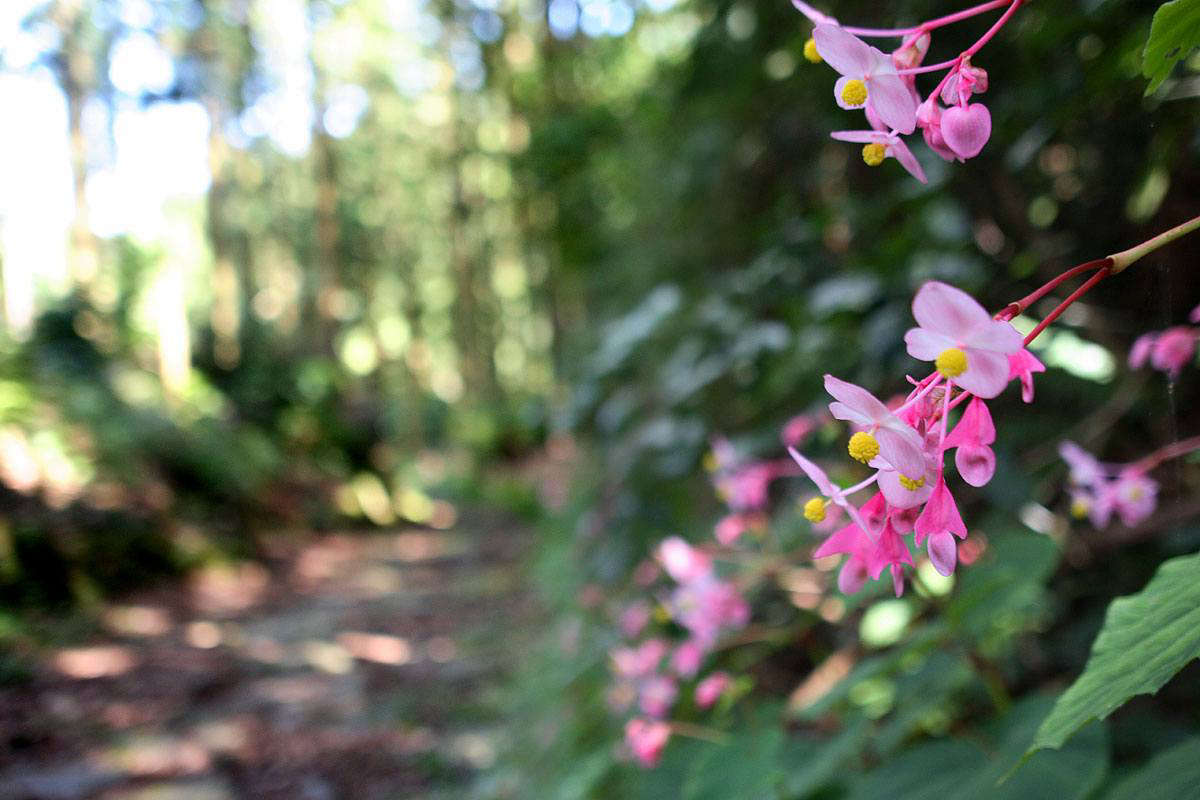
column 975, row 48
column 1065, row 304
column 1173, row 450
column 1019, row 306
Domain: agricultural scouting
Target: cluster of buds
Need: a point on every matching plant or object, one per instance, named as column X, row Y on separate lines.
column 975, row 357
column 1168, row 351
column 648, row 673
column 883, row 86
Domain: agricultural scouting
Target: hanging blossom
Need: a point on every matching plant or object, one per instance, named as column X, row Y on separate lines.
column 975, row 356
column 647, row 674
column 883, row 85
column 1168, row 351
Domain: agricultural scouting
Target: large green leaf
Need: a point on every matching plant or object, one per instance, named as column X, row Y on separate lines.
column 1146, row 638
column 1173, row 34
column 1174, row 773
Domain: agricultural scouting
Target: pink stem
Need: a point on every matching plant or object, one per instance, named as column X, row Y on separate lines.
column 992, row 31
column 933, row 24
column 1174, row 450
column 1019, row 306
column 1065, row 304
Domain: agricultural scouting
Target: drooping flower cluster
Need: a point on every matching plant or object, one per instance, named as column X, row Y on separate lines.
column 1168, row 351
column 1099, row 490
column 883, row 86
column 975, row 357
column 648, row 674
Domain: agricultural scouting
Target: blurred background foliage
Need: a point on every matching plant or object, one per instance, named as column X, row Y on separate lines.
column 302, row 262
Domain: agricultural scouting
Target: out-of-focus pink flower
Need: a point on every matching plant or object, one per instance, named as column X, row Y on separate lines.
column 685, row 661
column 682, row 561
column 879, row 145
column 656, row 695
column 971, row 436
column 634, row 618
column 647, row 738
column 634, row 663
column 706, row 605
column 869, row 78
column 1085, row 469
column 966, row 345
column 1173, row 350
column 1134, row 496
column 797, row 429
column 1022, row 364
column 1194, row 316
column 895, row 443
column 745, row 489
column 1140, row 352
column 709, row 690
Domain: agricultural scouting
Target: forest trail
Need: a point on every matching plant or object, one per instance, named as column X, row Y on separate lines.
column 358, row 665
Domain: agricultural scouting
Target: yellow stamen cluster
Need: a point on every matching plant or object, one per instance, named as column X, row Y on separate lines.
column 863, row 447
column 854, row 92
column 810, row 51
column 952, row 362
column 814, row 510
column 874, row 153
column 1079, row 509
column 910, row 484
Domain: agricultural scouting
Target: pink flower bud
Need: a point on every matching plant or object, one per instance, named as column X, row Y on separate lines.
column 966, row 129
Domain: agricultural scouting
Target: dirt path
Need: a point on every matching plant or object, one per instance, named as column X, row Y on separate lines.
column 351, row 666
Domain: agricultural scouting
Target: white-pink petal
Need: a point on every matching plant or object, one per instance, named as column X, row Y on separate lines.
column 986, row 375
column 899, row 150
column 856, row 399
column 892, row 101
column 944, row 309
column 925, row 345
column 844, row 51
column 901, row 452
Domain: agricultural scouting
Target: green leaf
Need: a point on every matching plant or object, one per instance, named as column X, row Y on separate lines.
column 1146, row 638
column 748, row 767
column 967, row 768
column 1173, row 773
column 1173, row 33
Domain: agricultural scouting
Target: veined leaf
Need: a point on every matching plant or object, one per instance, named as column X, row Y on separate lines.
column 1174, row 32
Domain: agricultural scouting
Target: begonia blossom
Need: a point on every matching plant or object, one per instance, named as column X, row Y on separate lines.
column 868, row 78
column 709, row 690
column 878, row 145
column 646, row 739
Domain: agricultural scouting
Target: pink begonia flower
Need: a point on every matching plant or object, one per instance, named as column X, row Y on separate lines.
column 869, row 78
column 881, row 145
column 706, row 605
column 629, row 662
column 1085, row 469
column 966, row 345
column 971, row 436
column 1139, row 353
column 682, row 561
column 709, row 690
column 685, row 661
column 940, row 522
column 1173, row 350
column 963, row 83
column 1022, row 364
column 898, row 445
column 656, row 695
column 647, row 738
column 1134, row 496
column 634, row 618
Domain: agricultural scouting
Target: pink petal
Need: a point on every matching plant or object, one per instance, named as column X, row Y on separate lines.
column 849, row 539
column 899, row 497
column 943, row 309
column 814, row 473
column 996, row 335
column 898, row 580
column 730, row 528
column 986, row 375
column 899, row 150
column 1194, row 316
column 902, row 452
column 893, row 102
column 943, row 552
column 940, row 515
column 843, row 51
column 975, row 427
column 853, row 575
column 891, row 550
column 966, row 129
column 1085, row 469
column 860, row 137
column 856, row 399
column 976, row 463
column 925, row 345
